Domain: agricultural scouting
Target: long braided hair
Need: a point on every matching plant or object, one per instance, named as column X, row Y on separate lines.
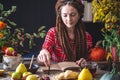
column 79, row 31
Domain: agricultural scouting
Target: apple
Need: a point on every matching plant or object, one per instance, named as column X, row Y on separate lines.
column 4, row 48
column 14, row 53
column 16, row 76
column 25, row 74
column 9, row 50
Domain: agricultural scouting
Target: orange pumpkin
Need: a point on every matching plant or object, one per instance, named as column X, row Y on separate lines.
column 98, row 54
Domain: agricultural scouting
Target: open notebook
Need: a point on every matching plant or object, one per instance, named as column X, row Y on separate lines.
column 62, row 66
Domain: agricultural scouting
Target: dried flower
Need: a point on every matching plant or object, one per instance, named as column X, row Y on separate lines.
column 108, row 12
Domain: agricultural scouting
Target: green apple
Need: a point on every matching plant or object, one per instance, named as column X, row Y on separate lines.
column 32, row 77
column 16, row 75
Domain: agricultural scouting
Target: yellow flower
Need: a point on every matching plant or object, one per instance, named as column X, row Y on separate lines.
column 114, row 19
column 107, row 12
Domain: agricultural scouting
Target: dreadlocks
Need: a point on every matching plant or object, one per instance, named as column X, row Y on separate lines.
column 62, row 34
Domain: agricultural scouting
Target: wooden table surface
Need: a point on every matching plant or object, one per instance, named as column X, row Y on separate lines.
column 99, row 73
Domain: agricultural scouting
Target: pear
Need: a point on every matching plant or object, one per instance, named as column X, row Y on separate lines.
column 85, row 74
column 21, row 68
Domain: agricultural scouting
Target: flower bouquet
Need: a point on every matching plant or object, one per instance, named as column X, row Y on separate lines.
column 108, row 12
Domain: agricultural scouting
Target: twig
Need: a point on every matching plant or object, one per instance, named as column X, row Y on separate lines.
column 31, row 61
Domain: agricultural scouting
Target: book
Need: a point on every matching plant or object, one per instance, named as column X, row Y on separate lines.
column 61, row 66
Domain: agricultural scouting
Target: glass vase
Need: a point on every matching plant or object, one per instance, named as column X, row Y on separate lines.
column 11, row 62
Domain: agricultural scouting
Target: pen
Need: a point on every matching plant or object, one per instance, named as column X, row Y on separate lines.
column 48, row 70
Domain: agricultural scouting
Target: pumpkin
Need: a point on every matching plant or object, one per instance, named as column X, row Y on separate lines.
column 113, row 75
column 97, row 53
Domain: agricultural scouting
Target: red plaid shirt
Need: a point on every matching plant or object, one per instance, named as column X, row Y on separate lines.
column 53, row 46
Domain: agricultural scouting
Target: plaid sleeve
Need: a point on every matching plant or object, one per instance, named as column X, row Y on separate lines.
column 49, row 40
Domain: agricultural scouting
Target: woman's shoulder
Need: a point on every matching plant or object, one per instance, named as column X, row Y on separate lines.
column 52, row 29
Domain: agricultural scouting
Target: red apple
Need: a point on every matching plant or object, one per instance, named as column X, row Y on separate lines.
column 14, row 53
column 4, row 48
column 9, row 50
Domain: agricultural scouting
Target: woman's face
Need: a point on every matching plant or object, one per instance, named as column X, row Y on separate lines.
column 69, row 16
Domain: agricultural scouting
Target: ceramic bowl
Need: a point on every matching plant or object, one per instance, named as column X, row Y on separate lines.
column 33, row 69
column 92, row 66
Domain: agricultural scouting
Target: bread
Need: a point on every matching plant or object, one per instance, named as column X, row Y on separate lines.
column 61, row 76
column 68, row 74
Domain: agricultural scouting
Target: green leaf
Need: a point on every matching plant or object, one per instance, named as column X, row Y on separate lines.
column 27, row 35
column 12, row 23
column 21, row 44
column 1, row 43
column 18, row 37
column 1, row 6
column 35, row 35
column 13, row 8
column 30, row 44
column 42, row 35
column 44, row 31
column 41, row 28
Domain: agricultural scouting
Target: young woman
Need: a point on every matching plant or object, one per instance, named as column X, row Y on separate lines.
column 68, row 41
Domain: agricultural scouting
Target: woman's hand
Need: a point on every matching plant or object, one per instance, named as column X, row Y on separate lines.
column 44, row 57
column 81, row 62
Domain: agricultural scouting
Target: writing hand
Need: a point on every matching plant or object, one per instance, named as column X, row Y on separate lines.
column 81, row 62
column 45, row 57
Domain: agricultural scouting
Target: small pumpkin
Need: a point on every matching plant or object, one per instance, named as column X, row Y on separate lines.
column 98, row 54
column 113, row 75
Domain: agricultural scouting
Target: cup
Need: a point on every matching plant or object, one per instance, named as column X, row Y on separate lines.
column 92, row 66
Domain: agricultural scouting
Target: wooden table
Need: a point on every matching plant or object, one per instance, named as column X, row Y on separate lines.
column 99, row 73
